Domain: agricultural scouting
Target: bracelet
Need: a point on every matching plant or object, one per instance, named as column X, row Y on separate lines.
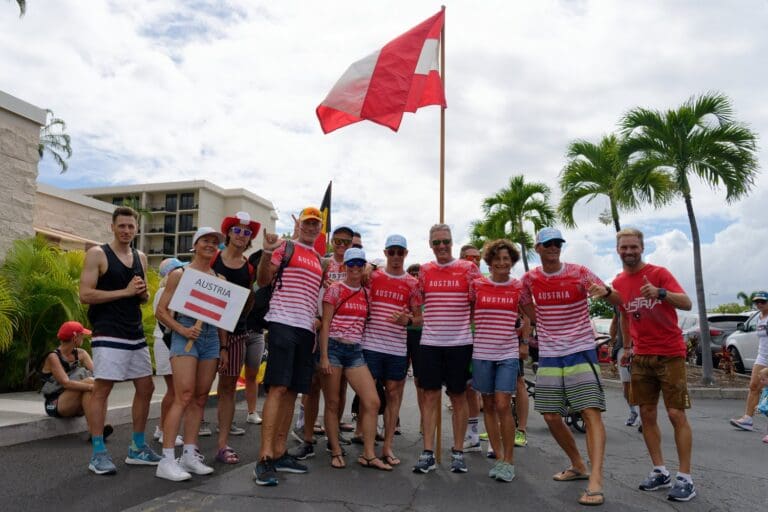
column 524, row 341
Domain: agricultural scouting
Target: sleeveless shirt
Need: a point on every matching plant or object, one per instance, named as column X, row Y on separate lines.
column 120, row 318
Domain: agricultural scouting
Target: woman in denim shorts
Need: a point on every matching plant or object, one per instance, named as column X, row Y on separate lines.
column 195, row 355
column 345, row 310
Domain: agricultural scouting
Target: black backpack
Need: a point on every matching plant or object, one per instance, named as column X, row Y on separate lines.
column 263, row 295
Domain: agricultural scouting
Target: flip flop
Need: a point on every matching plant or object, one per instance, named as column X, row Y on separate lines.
column 369, row 463
column 228, row 456
column 340, row 458
column 585, row 498
column 570, row 474
column 390, row 459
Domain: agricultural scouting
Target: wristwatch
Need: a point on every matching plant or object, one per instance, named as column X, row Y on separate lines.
column 662, row 293
column 523, row 341
column 608, row 292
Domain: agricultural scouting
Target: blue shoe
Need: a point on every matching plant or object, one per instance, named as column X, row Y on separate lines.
column 287, row 463
column 264, row 473
column 656, row 480
column 142, row 457
column 632, row 419
column 425, row 464
column 101, row 464
column 682, row 491
column 457, row 462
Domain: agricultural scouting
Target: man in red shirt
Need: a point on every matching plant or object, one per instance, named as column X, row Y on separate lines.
column 650, row 295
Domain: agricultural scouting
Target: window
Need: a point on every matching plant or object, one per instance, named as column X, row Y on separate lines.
column 185, row 243
column 170, row 202
column 187, row 201
column 117, row 201
column 169, row 226
column 169, row 245
column 185, row 222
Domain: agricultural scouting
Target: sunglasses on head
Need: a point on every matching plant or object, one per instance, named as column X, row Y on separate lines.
column 341, row 241
column 398, row 251
column 355, row 263
column 445, row 241
column 244, row 231
column 556, row 243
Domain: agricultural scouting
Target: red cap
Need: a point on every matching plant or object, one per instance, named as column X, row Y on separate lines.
column 240, row 218
column 69, row 329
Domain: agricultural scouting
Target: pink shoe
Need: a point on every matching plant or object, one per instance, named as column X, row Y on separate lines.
column 765, row 439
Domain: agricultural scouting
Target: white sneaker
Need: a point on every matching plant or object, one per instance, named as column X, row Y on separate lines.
column 253, row 417
column 193, row 462
column 179, row 439
column 169, row 469
column 158, row 435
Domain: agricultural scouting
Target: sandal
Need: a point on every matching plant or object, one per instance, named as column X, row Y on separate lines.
column 592, row 498
column 228, row 456
column 569, row 474
column 356, row 439
column 340, row 458
column 373, row 463
column 318, row 430
column 390, row 459
column 346, row 427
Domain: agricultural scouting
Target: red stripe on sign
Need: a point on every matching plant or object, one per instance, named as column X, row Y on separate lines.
column 210, row 299
column 202, row 311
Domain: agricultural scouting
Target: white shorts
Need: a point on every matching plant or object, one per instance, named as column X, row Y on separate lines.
column 762, row 353
column 118, row 359
column 625, row 375
column 162, row 360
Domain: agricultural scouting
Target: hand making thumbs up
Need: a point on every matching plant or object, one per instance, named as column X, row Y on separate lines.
column 648, row 290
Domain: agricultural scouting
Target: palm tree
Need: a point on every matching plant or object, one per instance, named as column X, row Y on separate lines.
column 54, row 141
column 22, row 7
column 510, row 208
column 745, row 299
column 596, row 169
column 8, row 312
column 698, row 139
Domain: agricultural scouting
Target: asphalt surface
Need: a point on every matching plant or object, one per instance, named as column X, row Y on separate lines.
column 730, row 473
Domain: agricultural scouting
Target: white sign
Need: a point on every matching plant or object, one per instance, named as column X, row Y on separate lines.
column 209, row 298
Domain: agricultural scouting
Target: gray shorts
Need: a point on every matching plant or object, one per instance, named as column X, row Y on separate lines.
column 254, row 349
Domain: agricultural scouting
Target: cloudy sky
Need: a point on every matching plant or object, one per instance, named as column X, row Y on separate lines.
column 226, row 91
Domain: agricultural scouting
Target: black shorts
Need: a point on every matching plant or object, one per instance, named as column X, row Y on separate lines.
column 413, row 341
column 447, row 366
column 290, row 362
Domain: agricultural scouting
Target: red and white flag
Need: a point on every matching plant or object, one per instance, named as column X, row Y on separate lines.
column 401, row 77
column 210, row 299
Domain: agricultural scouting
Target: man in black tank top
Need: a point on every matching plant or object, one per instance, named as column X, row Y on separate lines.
column 231, row 263
column 112, row 284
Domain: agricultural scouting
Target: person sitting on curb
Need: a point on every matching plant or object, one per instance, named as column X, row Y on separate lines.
column 67, row 373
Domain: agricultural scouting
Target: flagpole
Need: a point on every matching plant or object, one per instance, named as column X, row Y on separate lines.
column 442, row 123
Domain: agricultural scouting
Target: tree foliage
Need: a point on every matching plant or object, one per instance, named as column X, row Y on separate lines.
column 54, row 142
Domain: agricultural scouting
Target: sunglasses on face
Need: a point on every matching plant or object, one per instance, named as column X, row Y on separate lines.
column 415, row 273
column 550, row 243
column 355, row 263
column 242, row 231
column 759, row 302
column 338, row 242
column 445, row 241
column 472, row 257
column 357, row 246
column 396, row 252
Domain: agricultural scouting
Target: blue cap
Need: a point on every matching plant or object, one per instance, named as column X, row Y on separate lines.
column 547, row 234
column 396, row 241
column 760, row 296
column 353, row 253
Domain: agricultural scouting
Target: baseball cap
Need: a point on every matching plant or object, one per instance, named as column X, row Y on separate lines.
column 310, row 212
column 69, row 329
column 547, row 234
column 344, row 228
column 243, row 218
column 760, row 296
column 169, row 265
column 354, row 253
column 205, row 230
column 396, row 241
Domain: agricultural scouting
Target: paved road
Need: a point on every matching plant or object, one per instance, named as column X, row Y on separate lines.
column 729, row 468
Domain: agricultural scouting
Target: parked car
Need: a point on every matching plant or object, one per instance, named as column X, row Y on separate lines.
column 742, row 344
column 721, row 325
column 602, row 328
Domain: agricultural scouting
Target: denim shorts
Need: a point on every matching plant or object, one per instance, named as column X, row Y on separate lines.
column 345, row 355
column 206, row 346
column 386, row 366
column 489, row 377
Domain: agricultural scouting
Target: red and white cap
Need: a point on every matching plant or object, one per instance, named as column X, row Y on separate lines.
column 243, row 218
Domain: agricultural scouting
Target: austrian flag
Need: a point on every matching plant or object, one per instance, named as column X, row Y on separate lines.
column 209, row 299
column 401, row 77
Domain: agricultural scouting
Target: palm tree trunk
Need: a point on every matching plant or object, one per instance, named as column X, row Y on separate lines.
column 524, row 253
column 704, row 338
column 615, row 215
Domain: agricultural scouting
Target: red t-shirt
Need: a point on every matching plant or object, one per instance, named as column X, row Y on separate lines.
column 495, row 317
column 389, row 294
column 652, row 322
column 351, row 309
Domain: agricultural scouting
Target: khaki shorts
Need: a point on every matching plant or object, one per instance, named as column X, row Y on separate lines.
column 654, row 374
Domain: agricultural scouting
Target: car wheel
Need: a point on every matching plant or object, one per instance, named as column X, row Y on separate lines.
column 738, row 364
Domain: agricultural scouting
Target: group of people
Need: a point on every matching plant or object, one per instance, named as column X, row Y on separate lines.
column 338, row 320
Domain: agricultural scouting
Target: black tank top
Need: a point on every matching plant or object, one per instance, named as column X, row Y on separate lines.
column 119, row 318
column 239, row 276
column 68, row 368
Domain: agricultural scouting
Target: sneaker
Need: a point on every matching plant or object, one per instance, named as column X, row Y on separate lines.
column 234, row 430
column 682, row 490
column 144, row 456
column 483, row 436
column 457, row 462
column 425, row 464
column 302, row 452
column 298, row 434
column 491, row 454
column 506, row 472
column 765, row 439
column 158, row 435
column 264, row 473
column 743, row 423
column 204, row 430
column 101, row 464
column 253, row 417
column 656, row 480
column 495, row 469
column 632, row 419
column 170, row 469
column 179, row 440
column 469, row 446
column 521, row 438
column 343, row 440
column 193, row 463
column 288, row 464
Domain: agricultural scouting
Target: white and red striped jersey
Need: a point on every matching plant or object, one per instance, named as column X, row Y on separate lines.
column 350, row 307
column 445, row 291
column 495, row 317
column 295, row 303
column 335, row 270
column 389, row 294
column 562, row 311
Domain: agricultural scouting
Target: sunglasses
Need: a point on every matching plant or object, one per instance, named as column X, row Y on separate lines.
column 445, row 241
column 550, row 243
column 415, row 273
column 338, row 242
column 759, row 301
column 472, row 257
column 396, row 252
column 355, row 263
column 242, row 231
column 357, row 246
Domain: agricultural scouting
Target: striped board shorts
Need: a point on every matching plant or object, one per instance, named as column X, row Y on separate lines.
column 570, row 380
column 119, row 359
column 236, row 355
